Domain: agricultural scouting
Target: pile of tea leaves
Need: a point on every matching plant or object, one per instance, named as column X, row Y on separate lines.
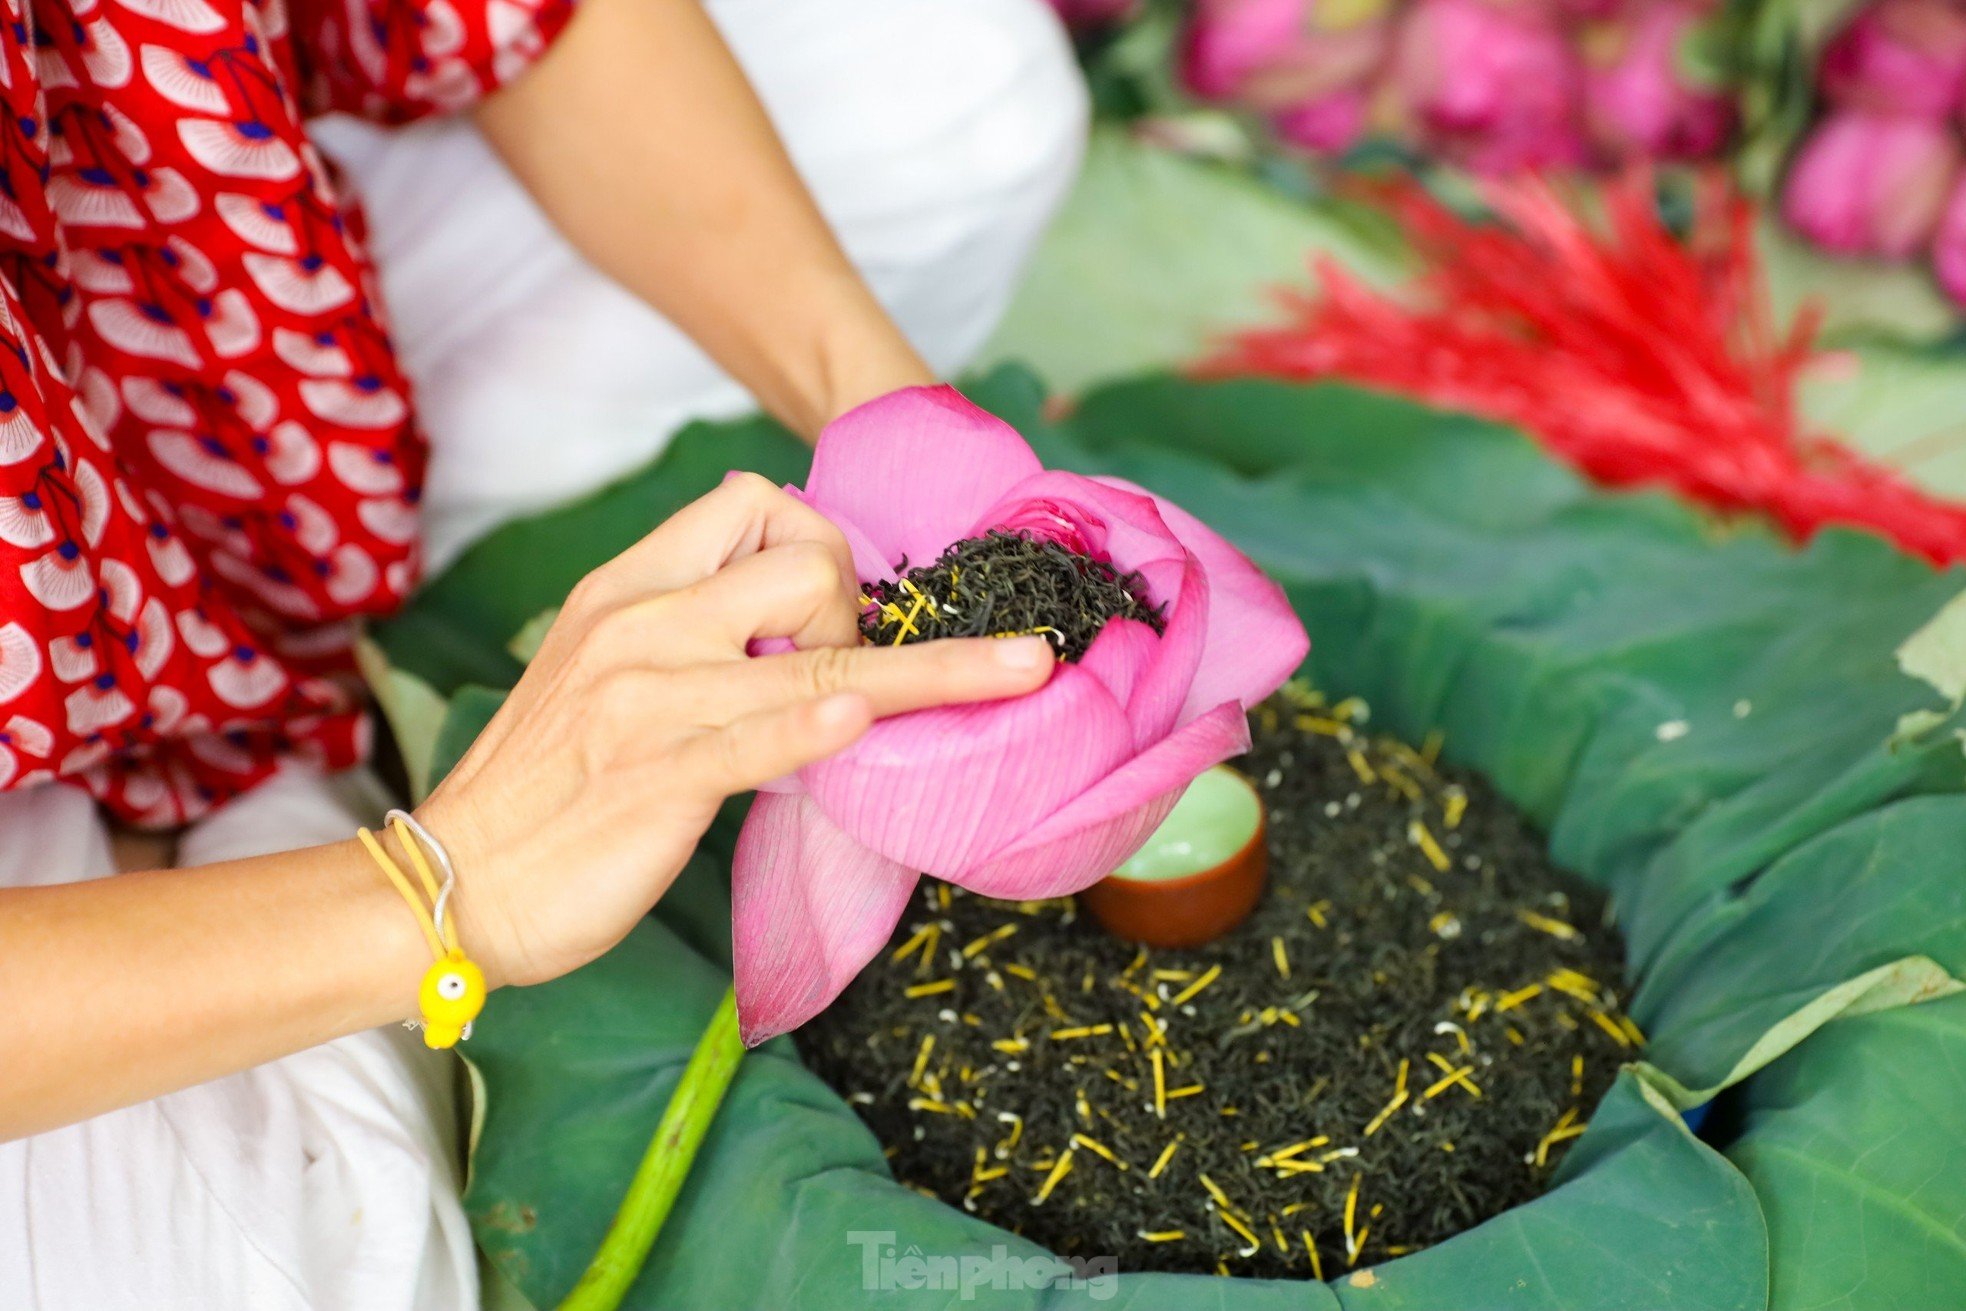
column 1006, row 584
column 1402, row 1041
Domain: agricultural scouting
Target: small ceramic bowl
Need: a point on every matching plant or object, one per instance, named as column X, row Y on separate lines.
column 1198, row 876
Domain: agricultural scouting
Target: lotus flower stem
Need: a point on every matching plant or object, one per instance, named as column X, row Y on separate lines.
column 659, row 1178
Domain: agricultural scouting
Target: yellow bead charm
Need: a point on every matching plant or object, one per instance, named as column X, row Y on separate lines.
column 452, row 994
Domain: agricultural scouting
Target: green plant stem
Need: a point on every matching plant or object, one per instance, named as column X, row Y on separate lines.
column 652, row 1192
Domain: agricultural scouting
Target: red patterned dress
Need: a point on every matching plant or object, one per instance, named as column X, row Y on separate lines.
column 208, row 465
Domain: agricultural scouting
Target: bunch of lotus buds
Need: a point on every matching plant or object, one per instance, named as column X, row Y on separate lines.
column 1880, row 174
column 1491, row 85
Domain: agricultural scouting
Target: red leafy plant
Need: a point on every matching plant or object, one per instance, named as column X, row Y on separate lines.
column 1641, row 357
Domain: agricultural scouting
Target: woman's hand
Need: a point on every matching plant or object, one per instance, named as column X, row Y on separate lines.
column 641, row 713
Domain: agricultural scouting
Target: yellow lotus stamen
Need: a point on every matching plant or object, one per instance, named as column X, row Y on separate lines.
column 1508, row 1001
column 1097, row 1149
column 1188, row 993
column 1556, row 928
column 988, row 940
column 1422, row 837
column 1058, row 1171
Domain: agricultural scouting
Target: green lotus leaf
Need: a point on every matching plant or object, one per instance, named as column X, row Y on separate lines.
column 1700, row 714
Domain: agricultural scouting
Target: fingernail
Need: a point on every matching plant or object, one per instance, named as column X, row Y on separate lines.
column 1022, row 653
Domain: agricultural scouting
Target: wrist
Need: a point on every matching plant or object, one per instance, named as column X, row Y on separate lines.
column 856, row 354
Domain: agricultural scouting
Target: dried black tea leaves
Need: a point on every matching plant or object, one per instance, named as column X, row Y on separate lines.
column 1402, row 1041
column 1006, row 584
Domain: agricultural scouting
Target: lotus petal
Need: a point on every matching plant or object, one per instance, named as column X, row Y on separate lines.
column 915, row 468
column 1255, row 640
column 809, row 908
column 1120, row 525
column 1093, row 834
column 937, row 789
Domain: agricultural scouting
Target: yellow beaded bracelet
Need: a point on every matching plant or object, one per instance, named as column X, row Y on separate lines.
column 453, row 988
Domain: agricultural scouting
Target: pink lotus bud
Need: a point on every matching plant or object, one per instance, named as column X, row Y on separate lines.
column 1328, row 125
column 1640, row 101
column 1273, row 55
column 1866, row 183
column 1898, row 56
column 1949, row 245
column 1491, row 84
column 1093, row 15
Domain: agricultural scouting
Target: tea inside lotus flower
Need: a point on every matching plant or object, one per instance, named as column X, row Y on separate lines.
column 1007, row 584
column 1403, row 1040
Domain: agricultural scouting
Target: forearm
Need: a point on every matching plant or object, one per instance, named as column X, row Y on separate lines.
column 122, row 989
column 640, row 137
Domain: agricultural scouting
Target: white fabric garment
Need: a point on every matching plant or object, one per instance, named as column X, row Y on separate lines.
column 325, row 1180
column 939, row 137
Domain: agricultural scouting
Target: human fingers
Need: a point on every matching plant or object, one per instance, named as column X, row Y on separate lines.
column 744, row 515
column 893, row 679
column 755, row 748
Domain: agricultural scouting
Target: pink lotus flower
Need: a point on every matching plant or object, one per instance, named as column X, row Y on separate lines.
column 1639, row 102
column 1038, row 796
column 1899, row 57
column 1306, row 63
column 1272, row 54
column 1329, row 125
column 1491, row 85
column 1949, row 245
column 1866, row 183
